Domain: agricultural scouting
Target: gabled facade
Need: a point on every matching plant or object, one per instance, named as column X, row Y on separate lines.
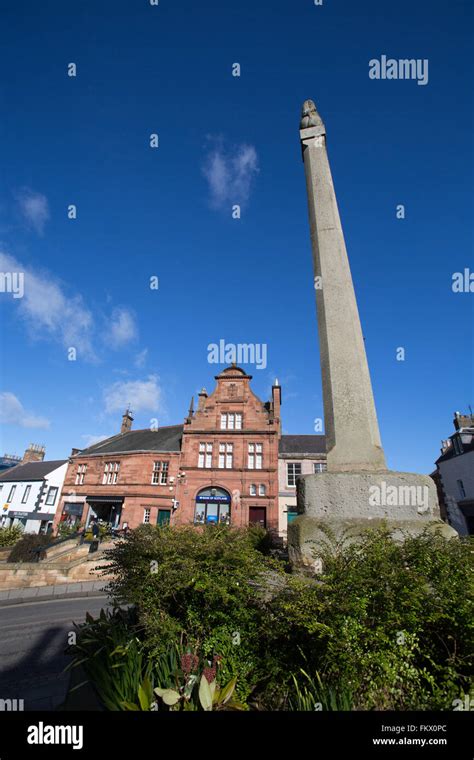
column 229, row 459
column 30, row 494
column 220, row 466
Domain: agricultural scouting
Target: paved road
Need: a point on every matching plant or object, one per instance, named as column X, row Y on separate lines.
column 33, row 637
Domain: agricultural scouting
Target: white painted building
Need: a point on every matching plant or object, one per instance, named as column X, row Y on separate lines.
column 297, row 455
column 30, row 494
column 455, row 475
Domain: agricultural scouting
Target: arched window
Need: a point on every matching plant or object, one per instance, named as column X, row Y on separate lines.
column 212, row 506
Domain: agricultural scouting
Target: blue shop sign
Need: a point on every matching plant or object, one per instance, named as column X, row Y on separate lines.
column 224, row 499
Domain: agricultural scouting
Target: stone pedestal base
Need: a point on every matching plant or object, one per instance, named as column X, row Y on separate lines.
column 350, row 502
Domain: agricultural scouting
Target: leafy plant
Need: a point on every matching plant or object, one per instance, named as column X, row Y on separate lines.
column 314, row 695
column 204, row 692
column 24, row 549
column 104, row 532
column 9, row 536
column 112, row 655
column 65, row 530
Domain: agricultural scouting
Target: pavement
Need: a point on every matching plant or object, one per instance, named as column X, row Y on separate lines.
column 60, row 591
column 33, row 637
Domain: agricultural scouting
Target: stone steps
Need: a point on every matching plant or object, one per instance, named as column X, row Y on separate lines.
column 67, row 555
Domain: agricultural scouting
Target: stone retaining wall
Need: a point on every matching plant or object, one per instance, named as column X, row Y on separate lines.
column 25, row 575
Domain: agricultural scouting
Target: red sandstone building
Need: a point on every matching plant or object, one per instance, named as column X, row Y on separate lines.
column 220, row 466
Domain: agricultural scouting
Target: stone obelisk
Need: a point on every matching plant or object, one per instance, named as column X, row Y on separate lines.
column 352, row 431
column 357, row 490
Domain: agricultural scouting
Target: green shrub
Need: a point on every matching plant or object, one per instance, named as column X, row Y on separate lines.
column 65, row 530
column 391, row 623
column 188, row 581
column 402, row 619
column 24, row 549
column 385, row 625
column 104, row 531
column 9, row 536
column 239, row 657
column 260, row 538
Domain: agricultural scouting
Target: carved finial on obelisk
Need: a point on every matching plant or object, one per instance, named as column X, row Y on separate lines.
column 309, row 115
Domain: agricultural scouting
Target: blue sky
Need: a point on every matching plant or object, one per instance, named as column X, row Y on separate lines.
column 166, row 212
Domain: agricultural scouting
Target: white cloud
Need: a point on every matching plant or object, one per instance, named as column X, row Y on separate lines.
column 12, row 412
column 122, row 328
column 142, row 395
column 34, row 208
column 49, row 311
column 140, row 358
column 230, row 173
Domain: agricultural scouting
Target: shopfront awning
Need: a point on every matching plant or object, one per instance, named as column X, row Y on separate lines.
column 105, row 499
column 31, row 515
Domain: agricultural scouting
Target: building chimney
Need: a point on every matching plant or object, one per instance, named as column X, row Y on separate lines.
column 463, row 420
column 202, row 396
column 276, row 404
column 34, row 453
column 127, row 420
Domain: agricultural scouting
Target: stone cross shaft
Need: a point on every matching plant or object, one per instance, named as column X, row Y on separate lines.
column 352, row 432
